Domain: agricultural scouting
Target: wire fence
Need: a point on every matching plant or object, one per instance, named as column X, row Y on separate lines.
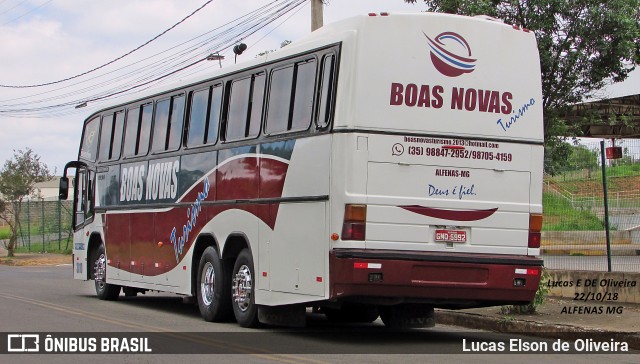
column 46, row 226
column 575, row 234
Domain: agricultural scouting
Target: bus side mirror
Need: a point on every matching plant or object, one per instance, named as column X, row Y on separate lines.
column 64, row 188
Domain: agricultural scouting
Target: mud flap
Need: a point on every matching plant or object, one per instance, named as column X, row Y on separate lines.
column 289, row 315
column 408, row 316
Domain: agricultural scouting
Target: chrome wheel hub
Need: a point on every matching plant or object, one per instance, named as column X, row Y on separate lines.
column 99, row 268
column 207, row 284
column 242, row 288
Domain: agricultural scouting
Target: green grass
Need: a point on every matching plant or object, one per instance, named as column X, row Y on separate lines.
column 624, row 171
column 559, row 215
column 49, row 247
column 595, row 174
column 5, row 232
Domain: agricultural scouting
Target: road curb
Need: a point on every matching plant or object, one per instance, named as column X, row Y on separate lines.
column 526, row 327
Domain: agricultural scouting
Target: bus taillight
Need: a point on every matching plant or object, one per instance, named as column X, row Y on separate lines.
column 354, row 226
column 535, row 226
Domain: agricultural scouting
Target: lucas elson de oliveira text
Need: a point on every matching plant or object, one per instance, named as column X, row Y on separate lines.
column 523, row 346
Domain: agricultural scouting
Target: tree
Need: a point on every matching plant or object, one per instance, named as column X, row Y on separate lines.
column 563, row 156
column 583, row 44
column 17, row 179
column 584, row 158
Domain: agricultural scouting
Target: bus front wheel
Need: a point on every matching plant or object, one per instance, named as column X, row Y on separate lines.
column 104, row 290
column 212, row 287
column 243, row 290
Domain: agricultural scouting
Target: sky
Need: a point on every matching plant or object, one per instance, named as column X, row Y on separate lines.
column 48, row 40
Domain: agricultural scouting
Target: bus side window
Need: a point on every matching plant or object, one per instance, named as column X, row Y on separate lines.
column 279, row 105
column 167, row 130
column 214, row 115
column 325, row 103
column 111, row 136
column 144, row 134
column 161, row 117
column 176, row 122
column 291, row 98
column 255, row 105
column 305, row 83
column 204, row 116
column 131, row 132
column 198, row 117
column 118, row 128
column 244, row 114
column 105, row 137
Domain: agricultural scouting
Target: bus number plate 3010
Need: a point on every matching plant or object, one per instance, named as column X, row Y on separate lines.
column 451, row 236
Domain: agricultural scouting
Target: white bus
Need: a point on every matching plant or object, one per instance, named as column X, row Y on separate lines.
column 384, row 165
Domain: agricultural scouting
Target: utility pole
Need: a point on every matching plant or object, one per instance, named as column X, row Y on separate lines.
column 316, row 14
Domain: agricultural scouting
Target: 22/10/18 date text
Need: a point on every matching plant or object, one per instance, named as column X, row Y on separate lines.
column 595, row 296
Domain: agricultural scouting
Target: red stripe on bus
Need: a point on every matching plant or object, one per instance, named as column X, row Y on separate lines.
column 454, row 215
column 134, row 236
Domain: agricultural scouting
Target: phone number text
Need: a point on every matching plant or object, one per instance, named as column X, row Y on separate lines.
column 460, row 153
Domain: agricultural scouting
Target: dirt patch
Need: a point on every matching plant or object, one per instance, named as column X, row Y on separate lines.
column 34, row 259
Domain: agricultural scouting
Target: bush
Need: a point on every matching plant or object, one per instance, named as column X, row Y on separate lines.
column 538, row 300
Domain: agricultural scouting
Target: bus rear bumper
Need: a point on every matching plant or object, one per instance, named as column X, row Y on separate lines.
column 445, row 280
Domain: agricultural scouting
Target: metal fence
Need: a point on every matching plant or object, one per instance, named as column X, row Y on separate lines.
column 46, row 226
column 575, row 234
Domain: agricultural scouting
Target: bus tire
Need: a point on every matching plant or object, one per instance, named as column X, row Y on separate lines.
column 212, row 289
column 243, row 290
column 104, row 290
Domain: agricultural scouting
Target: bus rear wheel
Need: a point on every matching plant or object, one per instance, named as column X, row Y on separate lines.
column 104, row 290
column 243, row 290
column 212, row 288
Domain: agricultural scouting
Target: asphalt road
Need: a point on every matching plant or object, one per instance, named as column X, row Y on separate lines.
column 47, row 300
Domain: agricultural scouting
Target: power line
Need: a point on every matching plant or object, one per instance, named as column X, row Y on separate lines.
column 241, row 21
column 116, row 59
column 13, row 7
column 277, row 26
column 159, row 71
column 28, row 12
column 164, row 63
column 279, row 14
column 151, row 79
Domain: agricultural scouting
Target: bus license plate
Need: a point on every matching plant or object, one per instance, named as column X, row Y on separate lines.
column 451, row 236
